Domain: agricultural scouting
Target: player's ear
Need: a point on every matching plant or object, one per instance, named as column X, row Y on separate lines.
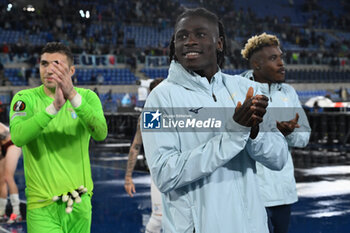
column 220, row 44
column 72, row 70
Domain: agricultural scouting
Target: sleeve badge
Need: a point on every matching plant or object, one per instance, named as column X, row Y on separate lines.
column 19, row 106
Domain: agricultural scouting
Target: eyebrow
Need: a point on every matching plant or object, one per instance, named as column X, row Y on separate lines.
column 196, row 29
column 277, row 54
column 46, row 61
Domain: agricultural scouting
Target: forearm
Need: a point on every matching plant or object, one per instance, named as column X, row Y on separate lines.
column 176, row 158
column 270, row 149
column 91, row 115
column 298, row 139
column 134, row 151
column 131, row 161
column 22, row 132
column 172, row 167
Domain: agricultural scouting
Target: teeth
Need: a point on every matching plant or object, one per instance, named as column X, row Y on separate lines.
column 192, row 53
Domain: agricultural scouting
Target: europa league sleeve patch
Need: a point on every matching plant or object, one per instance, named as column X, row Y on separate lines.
column 19, row 106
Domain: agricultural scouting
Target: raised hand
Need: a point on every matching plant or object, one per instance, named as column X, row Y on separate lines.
column 59, row 98
column 252, row 111
column 287, row 127
column 63, row 77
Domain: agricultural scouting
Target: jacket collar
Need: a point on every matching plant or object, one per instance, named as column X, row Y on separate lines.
column 191, row 80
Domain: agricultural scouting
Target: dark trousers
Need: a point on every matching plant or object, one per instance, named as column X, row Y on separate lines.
column 278, row 218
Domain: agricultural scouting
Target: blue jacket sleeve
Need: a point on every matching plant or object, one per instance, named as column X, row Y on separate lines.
column 300, row 137
column 172, row 166
column 270, row 149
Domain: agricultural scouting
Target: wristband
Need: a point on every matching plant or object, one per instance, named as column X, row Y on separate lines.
column 76, row 101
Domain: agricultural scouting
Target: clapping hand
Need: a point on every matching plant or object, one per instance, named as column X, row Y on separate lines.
column 252, row 111
column 287, row 127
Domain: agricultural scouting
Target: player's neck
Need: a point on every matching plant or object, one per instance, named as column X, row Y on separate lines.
column 50, row 92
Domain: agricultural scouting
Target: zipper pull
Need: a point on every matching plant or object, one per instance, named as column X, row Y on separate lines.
column 214, row 97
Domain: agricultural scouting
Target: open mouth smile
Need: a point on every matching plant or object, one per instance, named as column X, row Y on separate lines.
column 192, row 55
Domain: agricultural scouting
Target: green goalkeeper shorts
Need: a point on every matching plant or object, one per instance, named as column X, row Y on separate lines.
column 54, row 219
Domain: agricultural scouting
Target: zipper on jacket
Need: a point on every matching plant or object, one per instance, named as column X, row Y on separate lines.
column 214, row 97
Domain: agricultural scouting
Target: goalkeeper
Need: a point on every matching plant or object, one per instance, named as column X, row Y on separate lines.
column 53, row 124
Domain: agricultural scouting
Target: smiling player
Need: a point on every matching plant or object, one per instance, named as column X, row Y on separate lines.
column 207, row 178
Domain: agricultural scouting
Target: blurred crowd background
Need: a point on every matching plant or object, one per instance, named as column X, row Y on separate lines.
column 119, row 43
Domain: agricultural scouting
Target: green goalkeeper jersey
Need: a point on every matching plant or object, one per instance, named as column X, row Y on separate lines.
column 55, row 147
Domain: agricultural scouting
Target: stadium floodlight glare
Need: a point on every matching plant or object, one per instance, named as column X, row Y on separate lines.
column 82, row 14
column 9, row 7
column 30, row 8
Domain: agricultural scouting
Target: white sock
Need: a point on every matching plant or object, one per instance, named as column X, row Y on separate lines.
column 3, row 203
column 15, row 203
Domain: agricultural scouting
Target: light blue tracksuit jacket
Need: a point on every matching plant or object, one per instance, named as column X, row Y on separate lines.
column 208, row 178
column 278, row 187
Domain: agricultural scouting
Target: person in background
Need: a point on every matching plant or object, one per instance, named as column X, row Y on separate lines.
column 100, row 79
column 109, row 105
column 53, row 123
column 207, row 175
column 278, row 188
column 126, row 101
column 154, row 224
column 143, row 91
column 8, row 163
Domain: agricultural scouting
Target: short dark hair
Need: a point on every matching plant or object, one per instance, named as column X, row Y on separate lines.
column 202, row 12
column 58, row 47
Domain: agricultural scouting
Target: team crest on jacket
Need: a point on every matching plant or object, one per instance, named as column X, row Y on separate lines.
column 72, row 113
column 19, row 106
